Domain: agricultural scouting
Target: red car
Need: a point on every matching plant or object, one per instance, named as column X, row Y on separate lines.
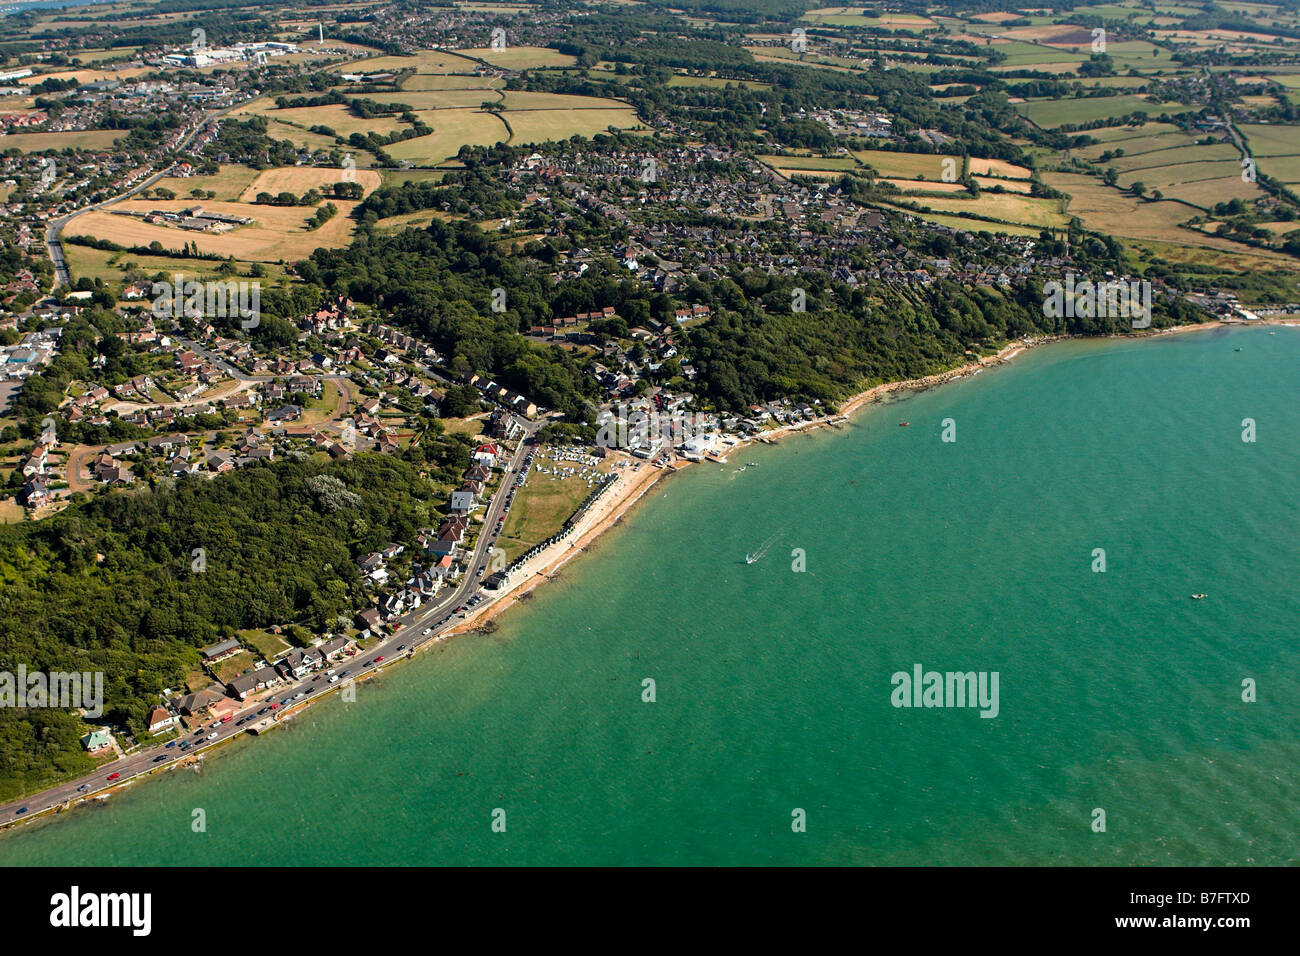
column 275, row 706
column 379, row 658
column 114, row 776
column 226, row 719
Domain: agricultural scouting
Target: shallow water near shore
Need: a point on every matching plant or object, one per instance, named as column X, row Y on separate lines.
column 773, row 686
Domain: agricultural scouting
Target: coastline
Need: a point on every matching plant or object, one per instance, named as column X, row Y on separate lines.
column 610, row 511
column 632, row 488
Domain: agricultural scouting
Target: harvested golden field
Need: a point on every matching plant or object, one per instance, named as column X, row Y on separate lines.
column 81, row 139
column 521, row 57
column 1066, row 34
column 451, row 130
column 975, row 225
column 791, row 172
column 536, row 126
column 426, row 61
column 997, row 167
column 335, row 116
column 925, row 186
column 458, row 81
column 906, row 165
column 1112, row 211
column 299, row 179
column 84, row 76
column 520, row 100
column 1207, row 193
column 276, row 233
column 1010, row 185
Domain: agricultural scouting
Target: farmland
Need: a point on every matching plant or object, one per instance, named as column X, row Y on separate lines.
column 37, row 142
column 1057, row 112
column 277, row 232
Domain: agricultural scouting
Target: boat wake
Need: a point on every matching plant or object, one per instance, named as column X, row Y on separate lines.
column 763, row 548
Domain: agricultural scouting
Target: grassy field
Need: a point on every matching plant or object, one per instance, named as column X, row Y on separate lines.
column 410, row 220
column 301, row 137
column 229, row 182
column 432, row 81
column 10, row 511
column 268, row 645
column 542, row 505
column 113, row 266
column 426, row 61
column 392, row 177
column 1119, row 214
column 441, row 99
column 536, row 126
column 1276, row 149
column 905, row 165
column 1007, row 207
column 1052, row 113
column 830, row 163
column 715, row 81
column 451, row 130
column 335, row 116
column 81, row 139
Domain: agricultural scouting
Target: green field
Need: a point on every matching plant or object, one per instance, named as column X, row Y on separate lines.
column 228, row 183
column 836, row 163
column 1052, row 113
column 1275, row 148
column 113, row 267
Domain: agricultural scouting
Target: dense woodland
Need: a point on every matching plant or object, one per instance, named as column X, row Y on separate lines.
column 109, row 585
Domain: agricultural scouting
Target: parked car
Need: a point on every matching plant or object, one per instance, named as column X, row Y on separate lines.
column 170, row 744
column 213, row 735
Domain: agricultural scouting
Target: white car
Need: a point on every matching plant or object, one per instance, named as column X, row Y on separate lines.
column 426, row 632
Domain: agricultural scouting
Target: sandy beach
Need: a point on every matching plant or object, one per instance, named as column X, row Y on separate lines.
column 632, row 487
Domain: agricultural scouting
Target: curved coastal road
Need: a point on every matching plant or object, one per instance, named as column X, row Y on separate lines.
column 406, row 634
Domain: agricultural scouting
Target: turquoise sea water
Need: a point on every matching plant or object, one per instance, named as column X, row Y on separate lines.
column 1117, row 691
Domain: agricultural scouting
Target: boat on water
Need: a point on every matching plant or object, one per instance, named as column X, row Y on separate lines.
column 1199, row 597
column 903, row 424
column 750, row 559
column 751, row 464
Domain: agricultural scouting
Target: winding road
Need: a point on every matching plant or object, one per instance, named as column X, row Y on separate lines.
column 406, row 634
